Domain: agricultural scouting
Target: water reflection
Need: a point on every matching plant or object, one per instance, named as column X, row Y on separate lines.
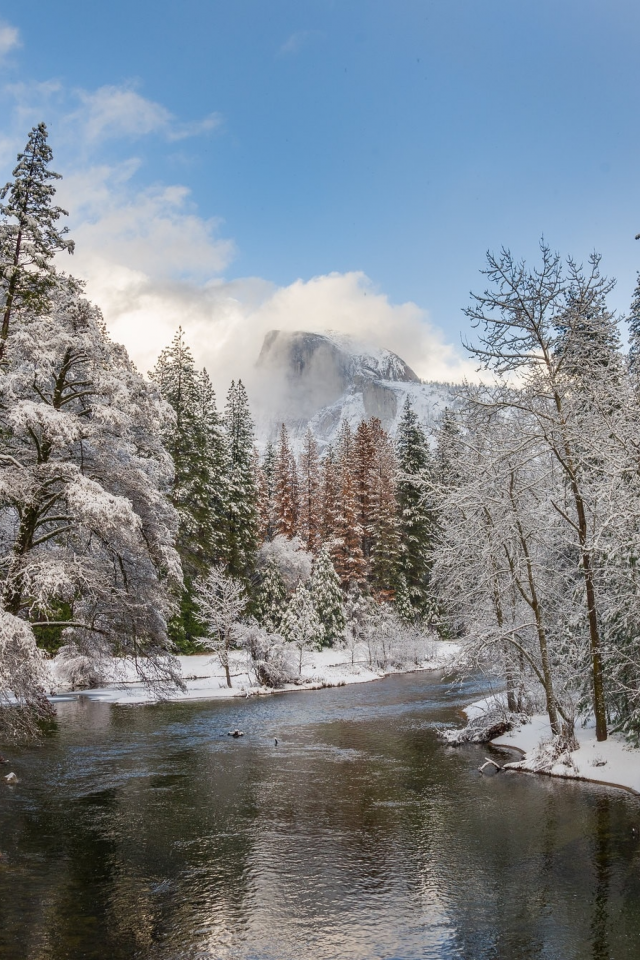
column 148, row 833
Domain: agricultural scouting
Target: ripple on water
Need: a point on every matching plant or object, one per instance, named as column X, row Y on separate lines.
column 148, row 833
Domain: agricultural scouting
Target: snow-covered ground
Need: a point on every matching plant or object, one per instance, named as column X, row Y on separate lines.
column 613, row 762
column 205, row 680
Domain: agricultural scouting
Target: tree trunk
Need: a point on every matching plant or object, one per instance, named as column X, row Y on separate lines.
column 599, row 703
column 226, row 661
column 11, row 292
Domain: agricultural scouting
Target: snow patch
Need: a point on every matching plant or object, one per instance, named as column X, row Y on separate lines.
column 205, row 679
column 613, row 761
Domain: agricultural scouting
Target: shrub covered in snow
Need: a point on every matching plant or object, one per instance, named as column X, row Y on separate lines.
column 290, row 557
column 269, row 656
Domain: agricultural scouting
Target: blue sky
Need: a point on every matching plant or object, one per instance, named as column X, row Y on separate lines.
column 204, row 143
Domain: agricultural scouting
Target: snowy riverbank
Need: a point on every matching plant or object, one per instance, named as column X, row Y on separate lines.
column 612, row 762
column 205, row 680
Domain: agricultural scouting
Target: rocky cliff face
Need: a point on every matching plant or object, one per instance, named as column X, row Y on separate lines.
column 320, row 379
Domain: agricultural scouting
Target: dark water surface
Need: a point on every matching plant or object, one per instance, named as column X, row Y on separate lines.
column 148, row 832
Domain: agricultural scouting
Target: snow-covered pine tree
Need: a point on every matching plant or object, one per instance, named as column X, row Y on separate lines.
column 217, row 460
column 385, row 536
column 286, row 488
column 301, row 625
column 243, row 522
column 346, row 546
column 403, row 606
column 197, row 446
column 271, row 599
column 587, row 330
column 29, row 235
column 329, row 494
column 310, row 499
column 87, row 533
column 357, row 610
column 447, row 453
column 634, row 332
column 266, row 492
column 328, row 598
column 186, row 440
column 364, row 457
column 414, row 509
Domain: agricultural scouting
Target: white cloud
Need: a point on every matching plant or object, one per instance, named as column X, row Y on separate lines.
column 182, row 131
column 113, row 112
column 9, row 39
column 152, row 263
column 154, row 232
column 226, row 321
column 295, row 42
column 120, row 112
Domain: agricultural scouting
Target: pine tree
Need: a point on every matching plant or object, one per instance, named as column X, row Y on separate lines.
column 403, row 605
column 266, row 488
column 364, row 457
column 414, row 509
column 445, row 468
column 330, row 486
column 634, row 332
column 176, row 376
column 242, row 525
column 197, row 446
column 217, row 467
column 385, row 533
column 328, row 598
column 310, row 499
column 346, row 546
column 29, row 237
column 286, row 488
column 271, row 600
column 301, row 625
column 587, row 339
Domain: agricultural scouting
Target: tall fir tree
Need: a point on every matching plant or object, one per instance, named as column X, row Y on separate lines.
column 216, row 455
column 364, row 461
column 329, row 494
column 301, row 625
column 267, row 488
column 310, row 499
column 385, row 532
column 446, row 469
column 29, row 234
column 271, row 599
column 634, row 332
column 415, row 513
column 242, row 521
column 197, row 446
column 328, row 598
column 286, row 488
column 346, row 546
column 587, row 330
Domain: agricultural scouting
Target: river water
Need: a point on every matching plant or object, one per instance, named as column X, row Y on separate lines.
column 148, row 832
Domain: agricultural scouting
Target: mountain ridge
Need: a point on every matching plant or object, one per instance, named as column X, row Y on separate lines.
column 320, row 379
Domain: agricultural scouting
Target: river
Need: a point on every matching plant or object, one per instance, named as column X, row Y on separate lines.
column 148, row 832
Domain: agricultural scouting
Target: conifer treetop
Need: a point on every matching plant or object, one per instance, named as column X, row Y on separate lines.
column 29, row 235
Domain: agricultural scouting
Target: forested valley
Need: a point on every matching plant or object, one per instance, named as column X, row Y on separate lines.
column 139, row 520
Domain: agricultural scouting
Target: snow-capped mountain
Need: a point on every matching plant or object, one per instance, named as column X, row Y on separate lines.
column 318, row 380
